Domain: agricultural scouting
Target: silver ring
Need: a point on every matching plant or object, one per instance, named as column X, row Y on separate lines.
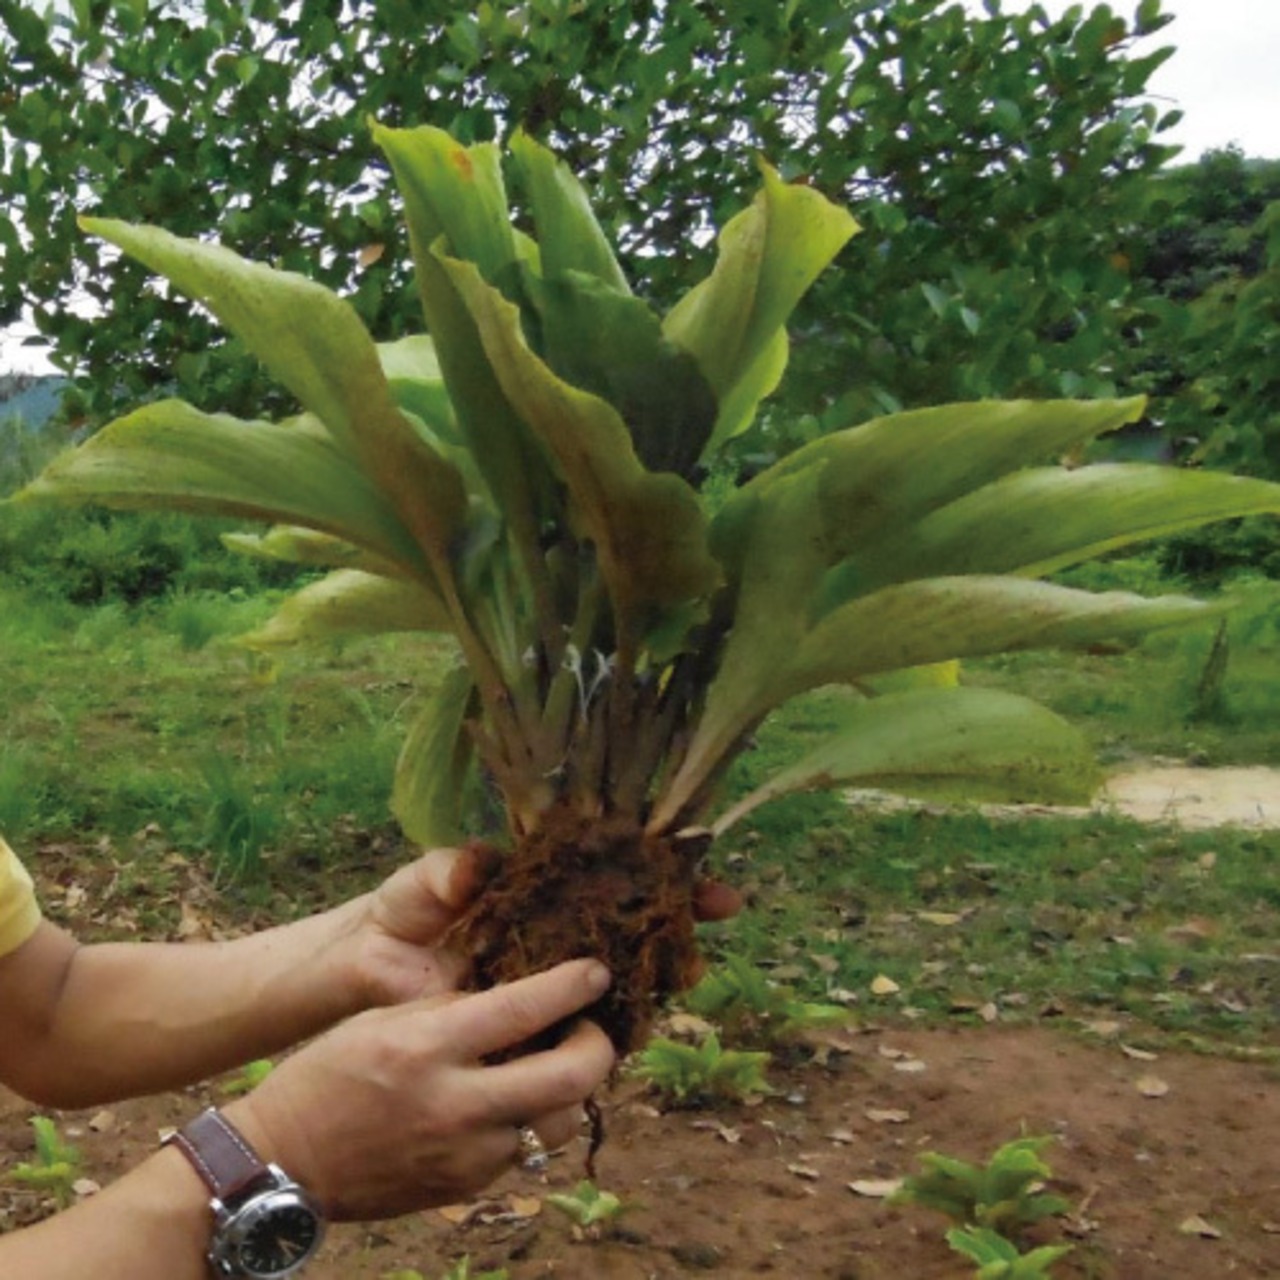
column 532, row 1152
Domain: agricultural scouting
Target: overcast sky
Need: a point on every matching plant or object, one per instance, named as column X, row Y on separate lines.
column 1225, row 76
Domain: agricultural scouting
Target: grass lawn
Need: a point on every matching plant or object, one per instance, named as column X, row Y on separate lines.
column 148, row 733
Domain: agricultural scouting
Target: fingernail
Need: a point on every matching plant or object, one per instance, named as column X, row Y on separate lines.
column 598, row 977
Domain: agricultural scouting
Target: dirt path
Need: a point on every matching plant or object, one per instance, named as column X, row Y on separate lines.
column 1181, row 794
column 1194, row 797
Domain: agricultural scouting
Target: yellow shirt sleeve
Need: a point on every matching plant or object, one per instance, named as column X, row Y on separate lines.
column 19, row 911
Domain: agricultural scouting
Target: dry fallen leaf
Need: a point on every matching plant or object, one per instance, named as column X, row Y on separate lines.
column 194, row 925
column 826, row 964
column 1139, row 1055
column 888, row 1051
column 1106, row 1030
column 722, row 1131
column 883, row 985
column 458, row 1214
column 940, row 918
column 1191, row 932
column 875, row 1188
column 688, row 1024
column 911, row 1066
column 843, row 1136
column 1197, row 1226
column 1152, row 1086
column 804, row 1171
column 370, row 254
column 886, row 1115
column 526, row 1206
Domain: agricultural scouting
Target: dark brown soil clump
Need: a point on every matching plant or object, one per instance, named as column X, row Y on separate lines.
column 590, row 887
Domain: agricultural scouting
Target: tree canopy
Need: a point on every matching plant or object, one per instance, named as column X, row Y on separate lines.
column 995, row 160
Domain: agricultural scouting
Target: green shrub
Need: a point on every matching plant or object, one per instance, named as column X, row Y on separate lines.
column 1210, row 555
column 91, row 556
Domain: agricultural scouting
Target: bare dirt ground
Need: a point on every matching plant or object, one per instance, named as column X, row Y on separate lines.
column 1171, row 1162
column 1170, row 1166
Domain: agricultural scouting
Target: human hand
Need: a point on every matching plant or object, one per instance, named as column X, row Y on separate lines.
column 387, row 944
column 392, row 950
column 395, row 1110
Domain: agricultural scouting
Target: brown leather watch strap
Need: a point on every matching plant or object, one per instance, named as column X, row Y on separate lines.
column 220, row 1154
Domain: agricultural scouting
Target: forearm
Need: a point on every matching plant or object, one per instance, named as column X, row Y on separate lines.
column 153, row 1224
column 135, row 1018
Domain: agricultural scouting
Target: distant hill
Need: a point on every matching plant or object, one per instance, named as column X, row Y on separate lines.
column 33, row 399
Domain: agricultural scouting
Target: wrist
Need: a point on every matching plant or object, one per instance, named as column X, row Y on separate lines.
column 325, row 975
column 261, row 1223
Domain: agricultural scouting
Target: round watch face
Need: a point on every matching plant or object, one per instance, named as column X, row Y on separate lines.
column 279, row 1241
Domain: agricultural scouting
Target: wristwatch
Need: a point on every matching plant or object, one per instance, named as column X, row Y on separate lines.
column 265, row 1226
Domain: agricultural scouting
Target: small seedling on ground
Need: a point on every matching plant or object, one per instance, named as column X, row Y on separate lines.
column 249, row 1077
column 56, row 1166
column 1005, row 1195
column 588, row 1206
column 694, row 1075
column 752, row 1009
column 999, row 1259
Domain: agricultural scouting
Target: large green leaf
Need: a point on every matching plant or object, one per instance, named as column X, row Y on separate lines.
column 350, row 602
column 455, row 192
column 611, row 344
column 569, row 237
column 909, row 496
column 433, row 765
column 169, row 454
column 1041, row 520
column 315, row 344
column 412, row 370
column 769, row 255
column 454, row 196
column 649, row 530
column 869, row 484
column 970, row 744
column 934, row 619
column 305, row 546
column 769, row 624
